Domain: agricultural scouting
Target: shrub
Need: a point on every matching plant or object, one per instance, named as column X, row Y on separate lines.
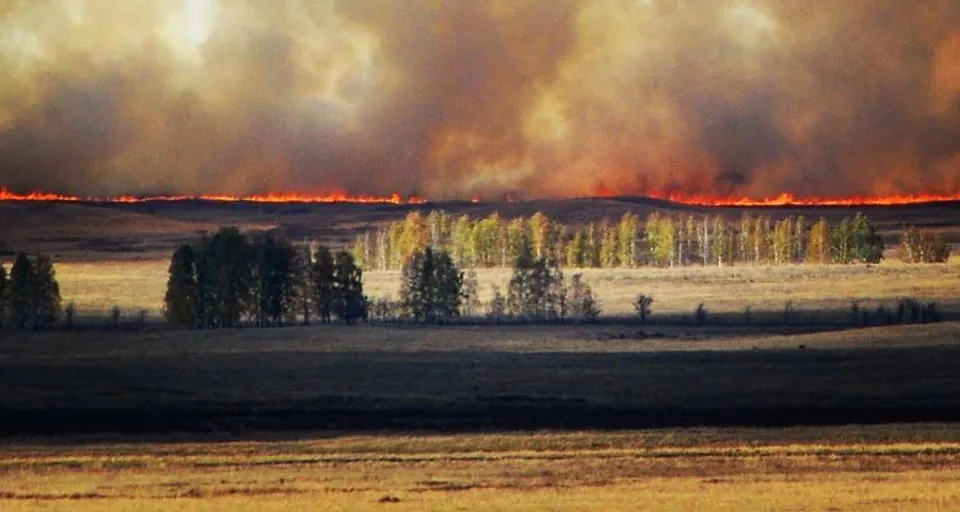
column 642, row 306
column 923, row 246
column 583, row 305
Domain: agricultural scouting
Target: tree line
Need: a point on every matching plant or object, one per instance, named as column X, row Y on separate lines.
column 662, row 240
column 231, row 279
column 435, row 290
column 29, row 293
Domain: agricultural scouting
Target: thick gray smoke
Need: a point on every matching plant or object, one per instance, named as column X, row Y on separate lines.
column 457, row 98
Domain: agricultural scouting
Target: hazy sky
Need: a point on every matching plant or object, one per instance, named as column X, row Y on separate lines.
column 455, row 98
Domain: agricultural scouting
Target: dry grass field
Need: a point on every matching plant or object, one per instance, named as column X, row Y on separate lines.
column 893, row 467
column 95, row 287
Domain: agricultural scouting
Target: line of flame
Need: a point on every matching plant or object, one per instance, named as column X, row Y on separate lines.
column 334, row 197
column 785, row 199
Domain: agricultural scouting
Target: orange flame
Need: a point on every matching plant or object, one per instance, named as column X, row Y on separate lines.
column 784, row 199
column 334, row 197
column 787, row 199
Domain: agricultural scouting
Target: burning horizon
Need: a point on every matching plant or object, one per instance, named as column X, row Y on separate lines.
column 784, row 199
column 271, row 197
column 457, row 99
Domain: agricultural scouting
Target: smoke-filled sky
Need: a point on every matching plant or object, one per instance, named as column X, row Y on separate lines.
column 458, row 98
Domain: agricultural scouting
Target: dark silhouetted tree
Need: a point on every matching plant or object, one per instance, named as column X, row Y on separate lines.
column 180, row 301
column 20, row 293
column 47, row 306
column 323, row 283
column 583, row 305
column 349, row 303
column 432, row 287
column 275, row 280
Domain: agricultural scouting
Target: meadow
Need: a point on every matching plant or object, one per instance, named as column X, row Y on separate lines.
column 894, row 467
column 96, row 287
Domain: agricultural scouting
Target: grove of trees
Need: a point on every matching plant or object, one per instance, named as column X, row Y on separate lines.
column 29, row 293
column 918, row 246
column 435, row 290
column 231, row 279
column 662, row 240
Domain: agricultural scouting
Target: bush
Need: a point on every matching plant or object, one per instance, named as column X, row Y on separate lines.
column 583, row 306
column 923, row 246
column 642, row 306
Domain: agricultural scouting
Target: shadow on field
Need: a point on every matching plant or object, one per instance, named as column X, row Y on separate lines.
column 243, row 392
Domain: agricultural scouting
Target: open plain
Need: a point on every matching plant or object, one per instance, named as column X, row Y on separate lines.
column 810, row 410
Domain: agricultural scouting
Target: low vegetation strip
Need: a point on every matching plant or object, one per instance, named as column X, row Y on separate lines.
column 860, row 468
column 942, row 451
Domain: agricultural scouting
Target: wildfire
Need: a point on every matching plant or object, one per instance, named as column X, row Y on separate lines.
column 334, row 197
column 787, row 199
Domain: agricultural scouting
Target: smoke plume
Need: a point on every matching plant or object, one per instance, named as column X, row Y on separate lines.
column 461, row 98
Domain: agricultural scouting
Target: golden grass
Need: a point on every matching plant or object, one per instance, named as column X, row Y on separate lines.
column 135, row 285
column 646, row 470
column 95, row 288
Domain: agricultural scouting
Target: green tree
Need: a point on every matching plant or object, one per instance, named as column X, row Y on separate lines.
column 47, row 306
column 180, row 300
column 20, row 295
column 349, row 303
column 865, row 243
column 841, row 241
column 302, row 290
column 275, row 279
column 531, row 293
column 323, row 283
column 431, row 290
column 642, row 306
column 228, row 265
column 583, row 305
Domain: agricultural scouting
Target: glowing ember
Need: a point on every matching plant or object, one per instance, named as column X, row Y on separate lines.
column 334, row 197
